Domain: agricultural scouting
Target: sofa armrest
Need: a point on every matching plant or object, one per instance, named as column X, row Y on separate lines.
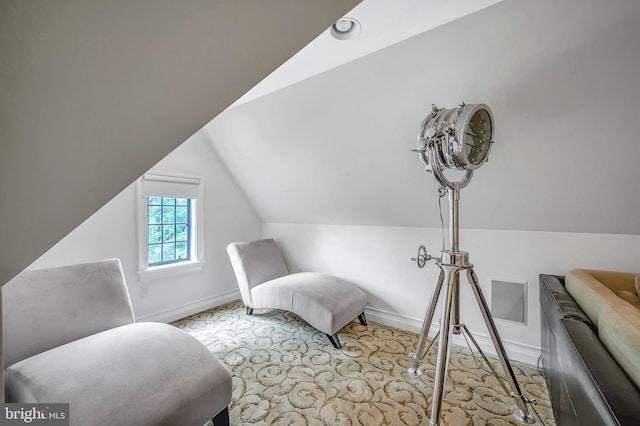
column 557, row 303
column 599, row 390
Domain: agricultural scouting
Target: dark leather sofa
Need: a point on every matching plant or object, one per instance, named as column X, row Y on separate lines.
column 586, row 385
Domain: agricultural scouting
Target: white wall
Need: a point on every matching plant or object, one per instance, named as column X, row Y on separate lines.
column 377, row 259
column 112, row 232
column 334, row 148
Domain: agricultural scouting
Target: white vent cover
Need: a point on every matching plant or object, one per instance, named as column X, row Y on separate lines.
column 509, row 301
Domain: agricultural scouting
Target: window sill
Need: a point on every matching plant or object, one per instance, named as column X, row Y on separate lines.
column 167, row 271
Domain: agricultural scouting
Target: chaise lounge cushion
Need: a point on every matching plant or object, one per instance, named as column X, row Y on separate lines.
column 153, row 374
column 254, row 263
column 324, row 301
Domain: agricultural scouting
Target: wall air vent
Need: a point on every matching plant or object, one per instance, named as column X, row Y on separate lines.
column 509, row 301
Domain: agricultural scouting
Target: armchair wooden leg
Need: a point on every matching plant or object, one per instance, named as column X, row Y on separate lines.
column 249, row 310
column 222, row 418
column 362, row 319
column 334, row 341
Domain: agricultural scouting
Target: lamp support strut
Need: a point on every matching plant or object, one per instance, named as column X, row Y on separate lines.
column 452, row 263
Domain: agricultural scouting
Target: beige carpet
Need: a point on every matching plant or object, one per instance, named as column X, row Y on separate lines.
column 287, row 373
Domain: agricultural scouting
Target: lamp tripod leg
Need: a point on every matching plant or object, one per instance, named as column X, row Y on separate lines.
column 452, row 275
column 419, row 354
column 484, row 358
column 522, row 414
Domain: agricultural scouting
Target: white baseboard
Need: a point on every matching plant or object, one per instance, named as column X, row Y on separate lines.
column 515, row 351
column 191, row 308
column 393, row 320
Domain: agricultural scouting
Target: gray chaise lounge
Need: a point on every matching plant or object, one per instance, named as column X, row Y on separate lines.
column 70, row 337
column 326, row 302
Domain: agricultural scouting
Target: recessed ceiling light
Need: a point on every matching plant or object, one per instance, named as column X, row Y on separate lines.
column 345, row 29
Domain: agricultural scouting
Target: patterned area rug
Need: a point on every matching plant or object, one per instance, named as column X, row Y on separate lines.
column 287, row 373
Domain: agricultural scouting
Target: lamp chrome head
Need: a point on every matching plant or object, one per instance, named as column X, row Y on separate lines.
column 457, row 138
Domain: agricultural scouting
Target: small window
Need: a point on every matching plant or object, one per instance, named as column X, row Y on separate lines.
column 170, row 224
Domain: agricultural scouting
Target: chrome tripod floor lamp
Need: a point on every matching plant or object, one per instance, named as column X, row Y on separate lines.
column 457, row 139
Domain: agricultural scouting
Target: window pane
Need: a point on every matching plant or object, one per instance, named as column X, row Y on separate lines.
column 182, row 233
column 168, row 252
column 168, row 214
column 182, row 214
column 168, row 233
column 181, row 250
column 155, row 214
column 155, row 234
column 169, row 230
column 155, row 253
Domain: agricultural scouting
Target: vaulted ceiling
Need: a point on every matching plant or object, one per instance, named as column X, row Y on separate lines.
column 560, row 77
column 95, row 93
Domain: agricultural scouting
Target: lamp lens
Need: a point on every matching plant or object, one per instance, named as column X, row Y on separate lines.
column 478, row 137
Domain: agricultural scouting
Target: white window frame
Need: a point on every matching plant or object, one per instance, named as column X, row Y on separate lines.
column 169, row 185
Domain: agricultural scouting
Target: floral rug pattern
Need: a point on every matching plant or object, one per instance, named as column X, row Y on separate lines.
column 287, row 373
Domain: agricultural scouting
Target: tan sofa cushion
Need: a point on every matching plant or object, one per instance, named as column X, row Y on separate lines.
column 590, row 293
column 614, row 280
column 629, row 297
column 619, row 332
column 617, row 320
column 595, row 289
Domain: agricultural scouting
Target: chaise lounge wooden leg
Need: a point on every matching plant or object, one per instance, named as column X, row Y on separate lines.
column 334, row 341
column 222, row 418
column 249, row 310
column 362, row 319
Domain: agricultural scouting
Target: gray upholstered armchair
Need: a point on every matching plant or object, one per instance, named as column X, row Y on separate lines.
column 326, row 302
column 70, row 337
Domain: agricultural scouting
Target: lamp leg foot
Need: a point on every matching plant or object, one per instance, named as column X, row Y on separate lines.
column 524, row 418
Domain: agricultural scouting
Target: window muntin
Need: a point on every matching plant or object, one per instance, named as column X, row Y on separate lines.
column 169, row 223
